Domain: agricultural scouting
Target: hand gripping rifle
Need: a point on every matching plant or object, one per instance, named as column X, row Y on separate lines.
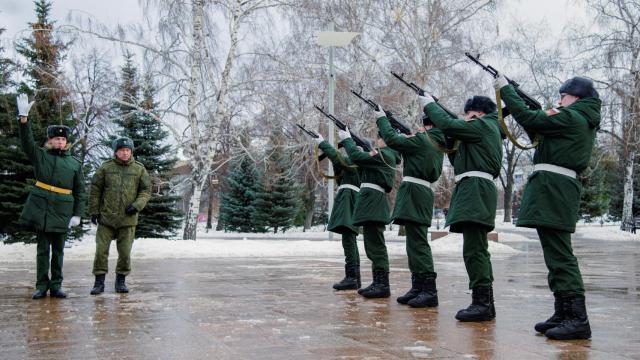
column 395, row 123
column 532, row 103
column 421, row 92
column 451, row 145
column 362, row 143
column 313, row 135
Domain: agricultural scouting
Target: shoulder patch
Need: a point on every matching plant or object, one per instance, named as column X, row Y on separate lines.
column 552, row 111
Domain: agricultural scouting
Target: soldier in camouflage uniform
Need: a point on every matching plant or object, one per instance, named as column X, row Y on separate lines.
column 341, row 220
column 414, row 203
column 551, row 198
column 55, row 203
column 473, row 204
column 120, row 189
column 372, row 207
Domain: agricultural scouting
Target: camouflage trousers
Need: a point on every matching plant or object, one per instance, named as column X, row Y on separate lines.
column 124, row 241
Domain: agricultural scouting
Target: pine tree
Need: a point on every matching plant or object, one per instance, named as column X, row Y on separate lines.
column 44, row 54
column 237, row 207
column 161, row 217
column 595, row 196
column 279, row 202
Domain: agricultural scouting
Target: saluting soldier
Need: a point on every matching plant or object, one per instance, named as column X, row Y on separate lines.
column 55, row 203
column 341, row 220
column 422, row 166
column 372, row 207
column 551, row 198
column 120, row 189
column 472, row 212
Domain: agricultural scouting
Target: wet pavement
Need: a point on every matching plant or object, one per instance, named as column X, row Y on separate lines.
column 266, row 308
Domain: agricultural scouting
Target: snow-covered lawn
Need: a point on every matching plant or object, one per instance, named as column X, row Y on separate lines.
column 209, row 247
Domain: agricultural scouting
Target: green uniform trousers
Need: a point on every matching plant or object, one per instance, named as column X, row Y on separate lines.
column 350, row 247
column 418, row 249
column 124, row 242
column 55, row 241
column 477, row 260
column 374, row 246
column 564, row 274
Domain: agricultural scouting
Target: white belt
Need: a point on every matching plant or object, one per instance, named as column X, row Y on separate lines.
column 555, row 169
column 479, row 174
column 349, row 186
column 372, row 186
column 416, row 180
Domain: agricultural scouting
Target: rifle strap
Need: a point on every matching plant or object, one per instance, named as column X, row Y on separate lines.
column 322, row 173
column 442, row 149
column 379, row 151
column 503, row 125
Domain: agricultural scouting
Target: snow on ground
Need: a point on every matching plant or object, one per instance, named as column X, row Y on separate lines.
column 227, row 248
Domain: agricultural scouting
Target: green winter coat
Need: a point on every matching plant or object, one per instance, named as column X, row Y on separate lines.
column 341, row 220
column 46, row 210
column 414, row 202
column 566, row 139
column 474, row 199
column 115, row 186
column 372, row 206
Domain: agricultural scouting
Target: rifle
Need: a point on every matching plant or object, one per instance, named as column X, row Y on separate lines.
column 395, row 123
column 421, row 92
column 532, row 103
column 362, row 143
column 313, row 135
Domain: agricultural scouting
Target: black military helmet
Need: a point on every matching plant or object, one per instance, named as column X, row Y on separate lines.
column 580, row 87
column 480, row 103
column 58, row 130
column 122, row 142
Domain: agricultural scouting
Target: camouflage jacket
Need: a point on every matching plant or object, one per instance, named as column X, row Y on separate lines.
column 115, row 186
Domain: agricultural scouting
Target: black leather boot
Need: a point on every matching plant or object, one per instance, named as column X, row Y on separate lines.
column 98, row 285
column 57, row 293
column 428, row 296
column 379, row 288
column 351, row 279
column 413, row 292
column 39, row 294
column 481, row 308
column 121, row 287
column 575, row 324
column 555, row 319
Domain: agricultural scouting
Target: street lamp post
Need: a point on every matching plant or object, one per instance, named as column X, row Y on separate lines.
column 332, row 39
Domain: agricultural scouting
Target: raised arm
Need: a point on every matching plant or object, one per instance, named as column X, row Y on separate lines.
column 458, row 128
column 395, row 140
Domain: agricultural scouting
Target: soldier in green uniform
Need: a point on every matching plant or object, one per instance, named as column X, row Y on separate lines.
column 341, row 220
column 414, row 203
column 55, row 203
column 372, row 207
column 551, row 199
column 120, row 189
column 473, row 204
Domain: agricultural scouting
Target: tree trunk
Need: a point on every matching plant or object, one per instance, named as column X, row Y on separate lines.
column 627, row 203
column 191, row 218
column 210, row 207
column 310, row 204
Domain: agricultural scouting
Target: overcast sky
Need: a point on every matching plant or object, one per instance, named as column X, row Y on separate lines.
column 15, row 14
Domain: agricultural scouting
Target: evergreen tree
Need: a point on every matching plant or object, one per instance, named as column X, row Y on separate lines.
column 238, row 201
column 161, row 218
column 279, row 202
column 43, row 54
column 595, row 196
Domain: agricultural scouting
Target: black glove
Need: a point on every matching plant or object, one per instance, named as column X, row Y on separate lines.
column 94, row 219
column 130, row 210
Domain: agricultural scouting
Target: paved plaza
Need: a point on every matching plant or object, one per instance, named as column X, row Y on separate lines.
column 284, row 308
